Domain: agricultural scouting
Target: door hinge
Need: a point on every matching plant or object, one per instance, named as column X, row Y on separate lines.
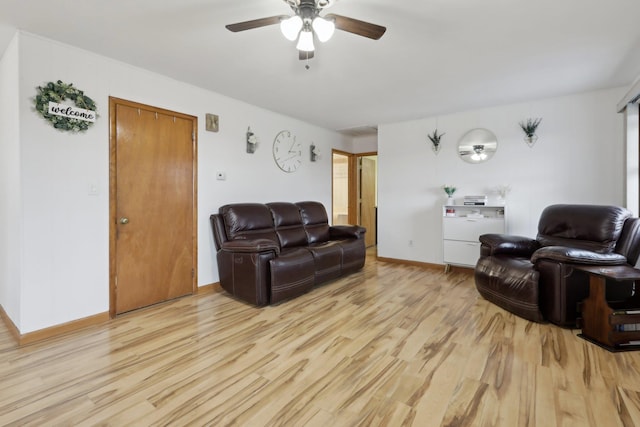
column 193, row 272
column 193, row 136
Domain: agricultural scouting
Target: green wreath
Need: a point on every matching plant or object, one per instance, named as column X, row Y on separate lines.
column 58, row 92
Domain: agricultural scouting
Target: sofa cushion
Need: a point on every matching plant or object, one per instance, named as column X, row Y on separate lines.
column 327, row 259
column 288, row 224
column 315, row 221
column 248, row 221
column 591, row 227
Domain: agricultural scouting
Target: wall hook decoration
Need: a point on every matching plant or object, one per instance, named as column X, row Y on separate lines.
column 315, row 152
column 529, row 128
column 252, row 141
column 435, row 140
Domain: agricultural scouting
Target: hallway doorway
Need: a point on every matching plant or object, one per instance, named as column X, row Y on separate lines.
column 354, row 191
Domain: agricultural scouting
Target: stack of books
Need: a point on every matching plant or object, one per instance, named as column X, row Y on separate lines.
column 475, row 200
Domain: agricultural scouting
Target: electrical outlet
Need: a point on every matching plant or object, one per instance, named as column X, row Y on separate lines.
column 410, row 243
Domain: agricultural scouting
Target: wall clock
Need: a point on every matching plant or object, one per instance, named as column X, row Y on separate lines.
column 287, row 152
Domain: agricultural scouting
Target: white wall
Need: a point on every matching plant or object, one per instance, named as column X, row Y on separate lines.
column 66, row 258
column 578, row 158
column 365, row 144
column 632, row 157
column 10, row 202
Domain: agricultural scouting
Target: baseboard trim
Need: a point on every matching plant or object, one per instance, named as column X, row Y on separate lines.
column 209, row 289
column 13, row 329
column 52, row 331
column 63, row 328
column 429, row 265
column 74, row 325
column 409, row 262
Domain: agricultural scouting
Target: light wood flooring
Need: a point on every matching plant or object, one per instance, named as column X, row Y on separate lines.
column 392, row 345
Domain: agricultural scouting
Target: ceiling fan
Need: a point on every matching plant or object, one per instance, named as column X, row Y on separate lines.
column 307, row 22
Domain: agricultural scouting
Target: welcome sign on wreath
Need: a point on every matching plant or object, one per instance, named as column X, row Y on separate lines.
column 50, row 104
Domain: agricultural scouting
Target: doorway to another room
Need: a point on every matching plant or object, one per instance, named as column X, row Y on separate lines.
column 355, row 191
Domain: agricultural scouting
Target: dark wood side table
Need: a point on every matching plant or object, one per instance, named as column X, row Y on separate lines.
column 610, row 324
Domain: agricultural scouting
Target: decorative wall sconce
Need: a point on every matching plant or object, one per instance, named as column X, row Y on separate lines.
column 529, row 128
column 252, row 141
column 435, row 140
column 315, row 152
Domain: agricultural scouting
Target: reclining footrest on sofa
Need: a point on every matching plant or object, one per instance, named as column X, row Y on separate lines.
column 292, row 274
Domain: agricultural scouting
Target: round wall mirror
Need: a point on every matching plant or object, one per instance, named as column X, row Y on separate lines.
column 477, row 145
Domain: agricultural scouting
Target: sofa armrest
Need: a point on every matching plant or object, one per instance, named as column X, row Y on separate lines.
column 346, row 231
column 250, row 245
column 507, row 244
column 577, row 256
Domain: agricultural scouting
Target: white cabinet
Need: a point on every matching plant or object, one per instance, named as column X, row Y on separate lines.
column 462, row 225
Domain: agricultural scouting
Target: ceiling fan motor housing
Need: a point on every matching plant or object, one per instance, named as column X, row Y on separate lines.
column 307, row 10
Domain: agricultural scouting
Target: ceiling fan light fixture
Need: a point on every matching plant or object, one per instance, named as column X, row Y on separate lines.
column 290, row 27
column 323, row 28
column 305, row 41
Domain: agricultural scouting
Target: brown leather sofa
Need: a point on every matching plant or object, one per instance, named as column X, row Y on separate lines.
column 271, row 252
column 535, row 279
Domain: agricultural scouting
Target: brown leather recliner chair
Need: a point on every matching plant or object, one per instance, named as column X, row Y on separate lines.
column 535, row 279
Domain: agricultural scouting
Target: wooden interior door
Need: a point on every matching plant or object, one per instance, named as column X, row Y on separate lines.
column 153, row 187
column 368, row 199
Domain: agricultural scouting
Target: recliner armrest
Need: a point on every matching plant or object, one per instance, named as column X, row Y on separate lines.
column 250, row 245
column 577, row 256
column 346, row 231
column 507, row 244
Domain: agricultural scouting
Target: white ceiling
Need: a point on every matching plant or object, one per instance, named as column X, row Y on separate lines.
column 437, row 56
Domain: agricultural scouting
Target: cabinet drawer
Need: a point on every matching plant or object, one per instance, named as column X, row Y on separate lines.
column 462, row 253
column 471, row 228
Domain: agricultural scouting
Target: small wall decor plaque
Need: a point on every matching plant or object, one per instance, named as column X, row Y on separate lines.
column 51, row 105
column 212, row 122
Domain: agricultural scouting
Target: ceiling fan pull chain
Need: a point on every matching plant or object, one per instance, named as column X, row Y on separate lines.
column 307, row 66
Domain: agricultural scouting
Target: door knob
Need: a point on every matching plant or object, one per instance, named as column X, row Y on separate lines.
column 124, row 220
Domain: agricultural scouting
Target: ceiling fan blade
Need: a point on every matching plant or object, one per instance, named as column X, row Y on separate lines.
column 356, row 26
column 256, row 23
column 302, row 55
